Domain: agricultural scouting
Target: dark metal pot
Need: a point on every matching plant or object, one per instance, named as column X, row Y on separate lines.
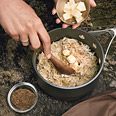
column 72, row 93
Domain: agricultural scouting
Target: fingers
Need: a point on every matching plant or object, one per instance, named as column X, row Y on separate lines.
column 65, row 25
column 22, row 21
column 92, row 3
column 16, row 38
column 34, row 34
column 13, row 33
column 58, row 21
column 24, row 39
column 45, row 39
column 53, row 11
column 75, row 26
column 34, row 40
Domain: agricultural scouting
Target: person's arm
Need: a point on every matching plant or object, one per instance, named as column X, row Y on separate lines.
column 20, row 21
column 92, row 3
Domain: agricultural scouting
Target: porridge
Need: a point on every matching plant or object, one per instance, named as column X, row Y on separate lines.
column 75, row 54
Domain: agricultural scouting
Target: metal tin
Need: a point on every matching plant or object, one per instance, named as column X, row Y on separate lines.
column 22, row 85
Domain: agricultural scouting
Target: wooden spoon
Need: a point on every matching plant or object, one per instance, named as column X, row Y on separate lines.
column 61, row 66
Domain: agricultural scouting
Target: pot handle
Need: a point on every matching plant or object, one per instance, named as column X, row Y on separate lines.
column 111, row 31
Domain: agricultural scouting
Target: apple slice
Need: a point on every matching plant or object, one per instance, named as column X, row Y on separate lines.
column 79, row 19
column 81, row 6
column 76, row 13
column 71, row 59
column 67, row 7
column 67, row 16
column 73, row 11
column 72, row 2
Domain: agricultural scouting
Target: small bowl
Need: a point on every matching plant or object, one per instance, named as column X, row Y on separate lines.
column 25, row 85
column 60, row 6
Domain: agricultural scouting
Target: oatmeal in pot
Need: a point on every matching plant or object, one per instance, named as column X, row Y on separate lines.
column 75, row 54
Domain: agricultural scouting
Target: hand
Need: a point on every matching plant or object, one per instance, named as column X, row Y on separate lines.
column 21, row 22
column 92, row 3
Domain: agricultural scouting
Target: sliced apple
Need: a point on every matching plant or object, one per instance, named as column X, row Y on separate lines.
column 81, row 6
column 71, row 59
column 72, row 2
column 74, row 10
column 67, row 7
column 67, row 16
column 76, row 13
column 79, row 19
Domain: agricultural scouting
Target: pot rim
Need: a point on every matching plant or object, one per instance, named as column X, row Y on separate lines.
column 69, row 88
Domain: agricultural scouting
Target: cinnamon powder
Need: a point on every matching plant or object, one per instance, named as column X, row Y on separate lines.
column 23, row 98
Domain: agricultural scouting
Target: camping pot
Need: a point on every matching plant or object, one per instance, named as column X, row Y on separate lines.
column 72, row 93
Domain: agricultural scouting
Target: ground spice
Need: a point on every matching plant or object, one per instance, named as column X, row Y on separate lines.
column 23, row 98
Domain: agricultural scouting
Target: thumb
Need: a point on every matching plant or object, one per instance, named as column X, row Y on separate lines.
column 92, row 3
